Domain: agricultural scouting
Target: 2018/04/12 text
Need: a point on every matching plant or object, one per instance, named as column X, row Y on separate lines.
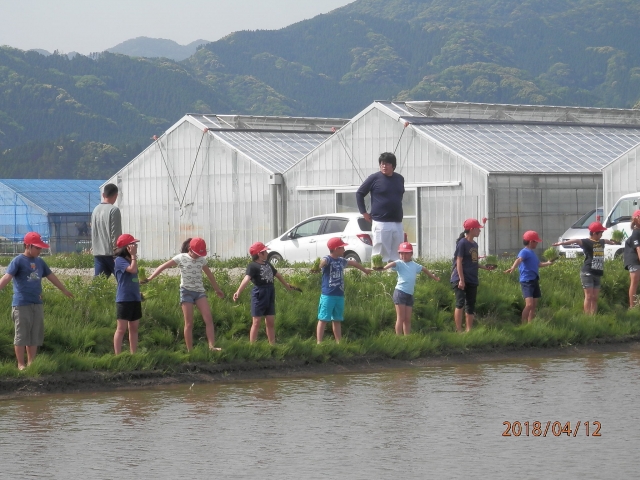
column 537, row 429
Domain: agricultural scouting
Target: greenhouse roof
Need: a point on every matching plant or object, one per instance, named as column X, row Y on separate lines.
column 544, row 140
column 58, row 196
column 274, row 143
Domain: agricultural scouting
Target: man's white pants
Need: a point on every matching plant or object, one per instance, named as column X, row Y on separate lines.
column 387, row 237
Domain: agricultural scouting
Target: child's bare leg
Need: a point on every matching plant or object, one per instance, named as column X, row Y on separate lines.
column 399, row 319
column 270, row 320
column 133, row 336
column 469, row 317
column 337, row 331
column 32, row 350
column 594, row 301
column 633, row 287
column 406, row 325
column 529, row 307
column 187, row 312
column 457, row 317
column 19, row 349
column 255, row 326
column 320, row 330
column 121, row 328
column 205, row 310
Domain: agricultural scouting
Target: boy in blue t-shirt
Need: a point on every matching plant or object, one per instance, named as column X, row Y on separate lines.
column 407, row 270
column 529, row 265
column 27, row 271
column 331, row 307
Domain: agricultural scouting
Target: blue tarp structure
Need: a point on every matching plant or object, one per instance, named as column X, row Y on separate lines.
column 59, row 210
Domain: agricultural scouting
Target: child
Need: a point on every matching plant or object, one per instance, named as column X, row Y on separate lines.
column 128, row 299
column 192, row 262
column 331, row 306
column 407, row 270
column 263, row 295
column 528, row 264
column 631, row 257
column 464, row 274
column 593, row 266
column 27, row 270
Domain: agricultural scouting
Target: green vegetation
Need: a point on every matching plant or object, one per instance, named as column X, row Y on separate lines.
column 79, row 331
column 376, row 261
column 618, row 236
column 550, row 254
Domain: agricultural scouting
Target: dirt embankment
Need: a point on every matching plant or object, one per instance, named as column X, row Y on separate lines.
column 208, row 373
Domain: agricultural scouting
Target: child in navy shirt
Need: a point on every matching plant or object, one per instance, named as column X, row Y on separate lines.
column 27, row 271
column 128, row 299
column 331, row 307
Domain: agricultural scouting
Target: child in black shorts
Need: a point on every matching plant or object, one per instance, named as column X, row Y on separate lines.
column 263, row 296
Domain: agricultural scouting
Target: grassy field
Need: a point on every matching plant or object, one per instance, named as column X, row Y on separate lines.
column 79, row 331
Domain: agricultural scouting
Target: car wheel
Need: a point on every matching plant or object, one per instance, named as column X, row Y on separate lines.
column 352, row 256
column 619, row 253
column 274, row 258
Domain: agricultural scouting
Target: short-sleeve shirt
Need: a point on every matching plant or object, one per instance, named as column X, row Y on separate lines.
column 468, row 251
column 530, row 265
column 333, row 276
column 27, row 273
column 407, row 273
column 593, row 257
column 128, row 284
column 190, row 271
column 261, row 274
column 630, row 252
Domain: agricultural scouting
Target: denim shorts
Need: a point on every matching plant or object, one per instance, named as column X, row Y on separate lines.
column 531, row 289
column 402, row 298
column 189, row 296
column 590, row 281
column 331, row 308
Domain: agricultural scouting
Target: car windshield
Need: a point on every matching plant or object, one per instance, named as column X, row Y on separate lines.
column 622, row 211
column 588, row 218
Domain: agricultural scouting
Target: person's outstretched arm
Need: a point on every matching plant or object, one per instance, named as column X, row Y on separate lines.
column 212, row 279
column 161, row 268
column 243, row 285
column 56, row 281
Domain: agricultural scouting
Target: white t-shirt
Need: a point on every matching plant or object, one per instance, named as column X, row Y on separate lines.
column 191, row 271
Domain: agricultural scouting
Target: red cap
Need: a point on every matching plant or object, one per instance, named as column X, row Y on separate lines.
column 198, row 246
column 405, row 247
column 335, row 242
column 125, row 239
column 595, row 227
column 531, row 236
column 34, row 238
column 256, row 248
column 470, row 223
column 636, row 214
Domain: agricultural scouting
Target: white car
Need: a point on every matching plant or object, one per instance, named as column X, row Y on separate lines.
column 308, row 240
column 620, row 219
column 580, row 229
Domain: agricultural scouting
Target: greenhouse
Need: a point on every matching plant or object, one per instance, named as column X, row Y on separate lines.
column 622, row 176
column 59, row 210
column 521, row 167
column 218, row 177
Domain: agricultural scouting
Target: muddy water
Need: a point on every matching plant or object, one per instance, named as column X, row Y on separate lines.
column 438, row 422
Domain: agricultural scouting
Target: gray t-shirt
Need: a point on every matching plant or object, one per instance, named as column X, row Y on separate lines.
column 191, row 271
column 106, row 227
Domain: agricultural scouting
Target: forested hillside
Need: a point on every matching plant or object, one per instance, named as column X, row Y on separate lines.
column 562, row 52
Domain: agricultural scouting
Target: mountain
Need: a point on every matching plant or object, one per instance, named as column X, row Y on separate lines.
column 156, row 47
column 559, row 52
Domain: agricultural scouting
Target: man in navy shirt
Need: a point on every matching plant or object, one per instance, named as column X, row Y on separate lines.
column 387, row 189
column 27, row 271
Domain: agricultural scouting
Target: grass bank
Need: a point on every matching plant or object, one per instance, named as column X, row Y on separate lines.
column 79, row 331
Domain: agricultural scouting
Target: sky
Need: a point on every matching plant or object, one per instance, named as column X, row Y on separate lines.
column 87, row 26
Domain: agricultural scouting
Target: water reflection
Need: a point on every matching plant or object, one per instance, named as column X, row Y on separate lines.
column 440, row 422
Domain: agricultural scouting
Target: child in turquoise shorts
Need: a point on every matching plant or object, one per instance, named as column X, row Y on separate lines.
column 403, row 299
column 331, row 307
